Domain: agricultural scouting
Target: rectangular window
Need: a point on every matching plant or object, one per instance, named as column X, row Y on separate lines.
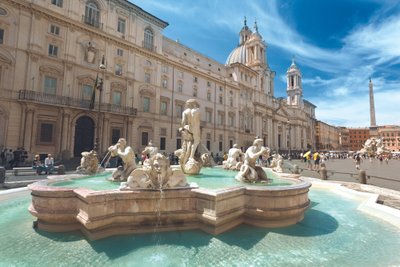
column 221, row 100
column 55, row 29
column 118, row 69
column 208, row 84
column 58, row 3
column 50, row 85
column 208, row 96
column 146, row 105
column 1, row 36
column 180, row 87
column 162, row 143
column 121, row 25
column 145, row 138
column 178, row 143
column 195, row 79
column 180, row 74
column 220, row 119
column 165, row 69
column 87, row 91
column 220, row 146
column 209, row 116
column 163, row 108
column 120, row 52
column 231, row 121
column 46, row 132
column 147, row 77
column 116, row 98
column 115, row 135
column 179, row 109
column 208, row 144
column 53, row 50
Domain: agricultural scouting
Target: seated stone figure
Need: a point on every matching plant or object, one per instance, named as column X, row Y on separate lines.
column 234, row 160
column 249, row 172
column 277, row 163
column 89, row 163
column 127, row 155
column 156, row 173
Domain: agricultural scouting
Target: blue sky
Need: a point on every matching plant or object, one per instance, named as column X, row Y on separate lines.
column 337, row 44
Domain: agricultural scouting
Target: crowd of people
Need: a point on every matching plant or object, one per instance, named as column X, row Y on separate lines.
column 13, row 158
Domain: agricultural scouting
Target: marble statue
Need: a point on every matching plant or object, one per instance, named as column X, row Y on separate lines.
column 89, row 163
column 156, row 173
column 150, row 149
column 127, row 155
column 190, row 131
column 234, row 160
column 374, row 147
column 277, row 163
column 90, row 52
column 249, row 172
column 206, row 160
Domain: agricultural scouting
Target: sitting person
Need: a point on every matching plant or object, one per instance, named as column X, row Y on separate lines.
column 37, row 165
column 49, row 164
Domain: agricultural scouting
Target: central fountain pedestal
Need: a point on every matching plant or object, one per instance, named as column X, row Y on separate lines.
column 99, row 214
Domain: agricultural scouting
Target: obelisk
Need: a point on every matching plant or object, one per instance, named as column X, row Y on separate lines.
column 373, row 130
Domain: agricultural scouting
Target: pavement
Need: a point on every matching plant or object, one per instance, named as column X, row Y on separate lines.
column 382, row 178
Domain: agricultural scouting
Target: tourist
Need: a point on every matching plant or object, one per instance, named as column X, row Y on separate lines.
column 357, row 160
column 49, row 164
column 37, row 165
column 316, row 158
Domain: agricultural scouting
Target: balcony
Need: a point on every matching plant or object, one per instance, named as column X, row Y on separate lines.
column 92, row 22
column 149, row 47
column 55, row 100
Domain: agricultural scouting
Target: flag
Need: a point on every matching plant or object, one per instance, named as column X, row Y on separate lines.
column 91, row 106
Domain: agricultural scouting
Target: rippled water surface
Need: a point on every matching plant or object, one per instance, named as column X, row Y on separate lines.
column 333, row 233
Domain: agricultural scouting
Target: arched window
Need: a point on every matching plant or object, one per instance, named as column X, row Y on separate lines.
column 92, row 14
column 148, row 39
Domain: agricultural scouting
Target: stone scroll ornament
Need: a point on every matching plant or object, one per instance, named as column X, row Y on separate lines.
column 156, row 173
column 249, row 172
column 189, row 160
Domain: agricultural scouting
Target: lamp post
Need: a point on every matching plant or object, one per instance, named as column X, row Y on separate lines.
column 102, row 67
column 289, row 143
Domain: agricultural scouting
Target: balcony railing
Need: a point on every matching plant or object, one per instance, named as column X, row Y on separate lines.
column 92, row 22
column 50, row 99
column 149, row 47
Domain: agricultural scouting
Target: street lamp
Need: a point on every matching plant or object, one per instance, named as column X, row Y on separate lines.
column 102, row 67
column 289, row 144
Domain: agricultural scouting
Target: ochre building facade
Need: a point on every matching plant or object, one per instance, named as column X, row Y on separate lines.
column 50, row 53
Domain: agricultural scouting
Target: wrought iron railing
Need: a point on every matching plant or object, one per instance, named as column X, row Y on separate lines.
column 50, row 99
column 92, row 22
column 149, row 47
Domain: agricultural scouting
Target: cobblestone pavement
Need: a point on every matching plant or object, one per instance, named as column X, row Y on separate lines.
column 338, row 170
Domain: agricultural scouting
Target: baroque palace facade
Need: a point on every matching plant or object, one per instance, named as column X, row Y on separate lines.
column 50, row 53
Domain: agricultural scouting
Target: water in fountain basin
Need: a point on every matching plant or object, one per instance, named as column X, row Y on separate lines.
column 211, row 178
column 333, row 233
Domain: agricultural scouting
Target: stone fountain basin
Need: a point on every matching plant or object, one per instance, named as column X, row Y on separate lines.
column 100, row 214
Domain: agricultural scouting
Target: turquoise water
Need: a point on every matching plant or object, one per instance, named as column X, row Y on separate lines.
column 333, row 233
column 210, row 178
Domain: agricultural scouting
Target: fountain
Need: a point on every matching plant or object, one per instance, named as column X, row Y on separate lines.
column 131, row 208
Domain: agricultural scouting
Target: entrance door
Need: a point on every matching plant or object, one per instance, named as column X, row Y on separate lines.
column 84, row 135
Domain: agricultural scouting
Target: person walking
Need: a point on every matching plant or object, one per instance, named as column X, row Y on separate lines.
column 357, row 160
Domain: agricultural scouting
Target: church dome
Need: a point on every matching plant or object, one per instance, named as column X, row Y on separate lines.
column 238, row 55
